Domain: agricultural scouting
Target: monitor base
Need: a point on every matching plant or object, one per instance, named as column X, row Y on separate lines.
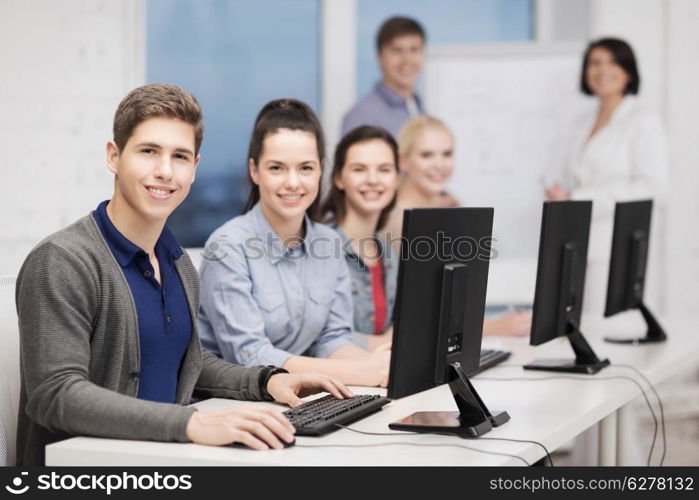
column 567, row 366
column 585, row 362
column 444, row 422
column 498, row 418
column 472, row 420
column 640, row 340
column 655, row 332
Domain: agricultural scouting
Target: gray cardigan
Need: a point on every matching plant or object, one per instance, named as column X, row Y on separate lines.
column 80, row 355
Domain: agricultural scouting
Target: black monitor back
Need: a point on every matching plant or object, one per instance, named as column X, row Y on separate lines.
column 627, row 267
column 433, row 238
column 560, row 277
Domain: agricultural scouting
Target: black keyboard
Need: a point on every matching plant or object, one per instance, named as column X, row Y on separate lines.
column 490, row 358
column 320, row 415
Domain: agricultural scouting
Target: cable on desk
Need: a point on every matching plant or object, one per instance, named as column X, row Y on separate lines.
column 652, row 388
column 446, row 434
column 500, row 365
column 369, row 433
column 616, row 377
column 660, row 404
column 406, row 443
column 548, row 455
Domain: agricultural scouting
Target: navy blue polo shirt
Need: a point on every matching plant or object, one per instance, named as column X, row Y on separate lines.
column 164, row 321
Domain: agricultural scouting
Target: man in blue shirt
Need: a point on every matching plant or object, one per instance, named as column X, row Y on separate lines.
column 393, row 101
column 107, row 310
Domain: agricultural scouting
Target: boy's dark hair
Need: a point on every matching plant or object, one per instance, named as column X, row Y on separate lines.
column 334, row 205
column 398, row 26
column 623, row 55
column 284, row 114
column 157, row 100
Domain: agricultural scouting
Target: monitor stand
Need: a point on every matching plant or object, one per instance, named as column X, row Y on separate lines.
column 586, row 361
column 655, row 332
column 472, row 420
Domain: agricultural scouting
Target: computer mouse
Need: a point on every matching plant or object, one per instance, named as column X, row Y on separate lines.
column 244, row 447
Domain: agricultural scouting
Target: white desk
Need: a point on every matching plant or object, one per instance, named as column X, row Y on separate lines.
column 551, row 412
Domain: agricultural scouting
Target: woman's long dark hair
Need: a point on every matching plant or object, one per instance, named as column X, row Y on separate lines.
column 284, row 114
column 333, row 207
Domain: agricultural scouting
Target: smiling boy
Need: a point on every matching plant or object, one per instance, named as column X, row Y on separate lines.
column 400, row 45
column 107, row 309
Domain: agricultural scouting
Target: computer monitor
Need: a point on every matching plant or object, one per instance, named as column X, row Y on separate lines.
column 438, row 316
column 560, row 282
column 627, row 267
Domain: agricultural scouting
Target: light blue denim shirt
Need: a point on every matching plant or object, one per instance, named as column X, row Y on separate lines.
column 262, row 303
column 362, row 292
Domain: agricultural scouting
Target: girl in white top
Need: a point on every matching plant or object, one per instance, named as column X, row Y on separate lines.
column 617, row 152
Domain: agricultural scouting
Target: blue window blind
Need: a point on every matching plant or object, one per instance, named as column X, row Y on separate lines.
column 234, row 56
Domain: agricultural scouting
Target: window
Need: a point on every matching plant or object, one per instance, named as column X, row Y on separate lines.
column 234, row 56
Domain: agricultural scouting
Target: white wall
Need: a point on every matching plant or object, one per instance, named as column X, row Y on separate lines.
column 65, row 67
column 682, row 71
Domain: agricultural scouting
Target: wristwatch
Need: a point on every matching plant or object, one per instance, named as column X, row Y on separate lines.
column 264, row 380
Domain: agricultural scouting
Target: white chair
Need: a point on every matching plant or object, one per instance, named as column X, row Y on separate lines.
column 3, row 447
column 9, row 370
column 196, row 254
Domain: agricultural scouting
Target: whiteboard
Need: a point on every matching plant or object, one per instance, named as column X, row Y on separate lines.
column 509, row 107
